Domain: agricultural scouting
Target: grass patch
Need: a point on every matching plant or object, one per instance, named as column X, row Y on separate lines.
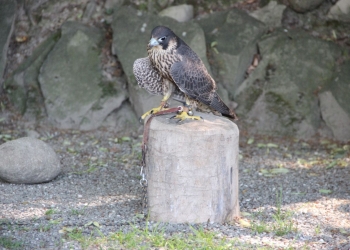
column 50, row 212
column 197, row 239
column 143, row 238
column 281, row 223
column 9, row 243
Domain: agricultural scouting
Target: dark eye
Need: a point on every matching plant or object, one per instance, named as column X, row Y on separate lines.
column 162, row 39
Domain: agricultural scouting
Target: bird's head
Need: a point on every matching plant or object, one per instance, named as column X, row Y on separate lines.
column 162, row 37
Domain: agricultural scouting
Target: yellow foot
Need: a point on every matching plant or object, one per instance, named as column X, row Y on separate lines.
column 183, row 116
column 152, row 111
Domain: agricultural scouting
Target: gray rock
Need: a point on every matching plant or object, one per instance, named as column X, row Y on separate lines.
column 334, row 103
column 7, row 18
column 279, row 97
column 113, row 4
column 122, row 120
column 340, row 86
column 28, row 160
column 232, row 37
column 71, row 80
column 181, row 13
column 304, row 6
column 23, row 86
column 340, row 11
column 334, row 116
column 32, row 134
column 271, row 14
column 131, row 33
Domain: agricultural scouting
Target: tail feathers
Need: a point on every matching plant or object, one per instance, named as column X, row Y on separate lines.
column 217, row 104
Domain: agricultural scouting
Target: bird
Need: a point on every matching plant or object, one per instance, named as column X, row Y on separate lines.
column 173, row 70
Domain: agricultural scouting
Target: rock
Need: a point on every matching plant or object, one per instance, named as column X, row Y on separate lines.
column 23, row 86
column 271, row 14
column 181, row 13
column 7, row 18
column 112, row 5
column 340, row 11
column 278, row 97
column 122, row 119
column 28, row 160
column 32, row 134
column 163, row 3
column 131, row 34
column 71, row 80
column 340, row 86
column 334, row 116
column 232, row 37
column 334, row 103
column 304, row 6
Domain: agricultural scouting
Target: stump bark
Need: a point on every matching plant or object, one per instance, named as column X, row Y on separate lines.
column 192, row 170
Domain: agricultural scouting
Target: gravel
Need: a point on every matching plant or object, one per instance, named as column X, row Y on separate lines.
column 100, row 186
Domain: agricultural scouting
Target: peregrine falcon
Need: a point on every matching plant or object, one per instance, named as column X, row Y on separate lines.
column 173, row 69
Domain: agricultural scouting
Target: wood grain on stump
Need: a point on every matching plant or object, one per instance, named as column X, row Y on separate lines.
column 192, row 170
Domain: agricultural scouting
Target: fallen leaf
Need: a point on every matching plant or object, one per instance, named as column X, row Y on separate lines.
column 244, row 223
column 331, row 165
column 250, row 141
column 323, row 142
column 96, row 224
column 213, row 44
column 66, row 143
column 279, row 170
column 126, row 138
column 325, row 191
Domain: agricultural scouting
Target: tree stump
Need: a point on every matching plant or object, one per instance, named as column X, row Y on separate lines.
column 192, row 170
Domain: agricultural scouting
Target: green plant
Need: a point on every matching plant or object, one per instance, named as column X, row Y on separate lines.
column 9, row 243
column 283, row 223
column 50, row 212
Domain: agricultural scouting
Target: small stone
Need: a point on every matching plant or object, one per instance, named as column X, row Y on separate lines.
column 28, row 161
column 181, row 13
column 340, row 11
column 304, row 6
column 33, row 134
column 271, row 14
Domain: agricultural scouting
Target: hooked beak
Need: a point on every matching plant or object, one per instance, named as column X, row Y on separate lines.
column 153, row 42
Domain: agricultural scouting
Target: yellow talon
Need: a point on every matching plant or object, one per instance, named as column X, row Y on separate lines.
column 183, row 116
column 153, row 111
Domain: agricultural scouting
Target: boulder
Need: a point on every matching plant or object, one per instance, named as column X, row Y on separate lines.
column 334, row 104
column 7, row 18
column 232, row 37
column 280, row 96
column 122, row 119
column 71, row 80
column 304, row 6
column 270, row 15
column 334, row 116
column 340, row 11
column 28, row 160
column 131, row 34
column 23, row 86
column 181, row 13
